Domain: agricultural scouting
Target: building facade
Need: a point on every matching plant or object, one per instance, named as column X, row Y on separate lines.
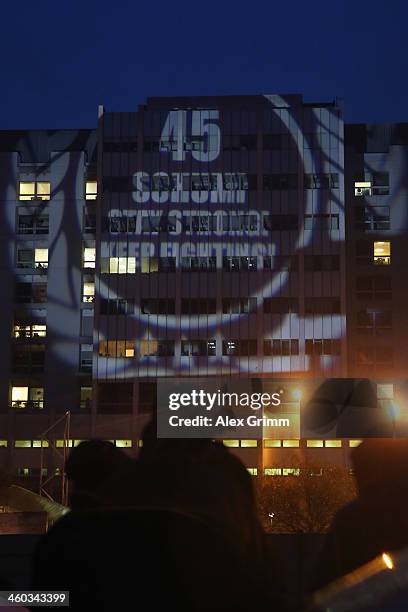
column 229, row 236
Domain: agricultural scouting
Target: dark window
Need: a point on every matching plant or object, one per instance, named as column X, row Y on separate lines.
column 31, row 292
column 154, row 306
column 147, row 396
column 273, row 182
column 322, row 305
column 196, row 306
column 373, row 287
column 115, row 398
column 240, row 348
column 321, row 263
column 322, row 347
column 380, row 183
column 372, row 218
column 197, row 264
column 89, row 221
column 33, row 224
column 199, row 223
column 272, row 142
column 280, row 262
column 372, row 322
column 240, row 223
column 238, row 305
column 234, row 264
column 321, row 181
column 322, row 222
column 28, row 358
column 198, row 348
column 281, row 347
column 118, row 183
column 117, row 307
column 281, row 305
column 280, row 222
column 375, row 356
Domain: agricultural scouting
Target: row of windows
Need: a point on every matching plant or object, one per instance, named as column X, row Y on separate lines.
column 38, row 258
column 207, row 222
column 126, row 443
column 231, row 142
column 377, row 252
column 37, row 223
column 373, row 184
column 367, row 288
column 217, row 181
column 232, row 305
column 165, row 348
column 29, row 329
column 41, row 190
column 149, row 265
column 68, row 443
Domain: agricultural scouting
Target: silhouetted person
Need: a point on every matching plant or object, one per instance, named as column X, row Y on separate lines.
column 196, row 476
column 377, row 521
column 88, row 466
column 178, row 530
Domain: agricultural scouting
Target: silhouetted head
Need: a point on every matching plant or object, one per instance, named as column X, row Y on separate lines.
column 88, row 466
column 379, row 466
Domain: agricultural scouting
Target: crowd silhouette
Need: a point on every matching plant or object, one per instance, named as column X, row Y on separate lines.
column 178, row 528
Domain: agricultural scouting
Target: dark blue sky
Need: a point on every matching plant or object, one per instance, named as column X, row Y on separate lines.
column 61, row 59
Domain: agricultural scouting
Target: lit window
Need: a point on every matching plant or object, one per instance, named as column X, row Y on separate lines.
column 23, row 472
column 253, row 471
column 123, row 443
column 149, row 348
column 91, row 190
column 89, row 257
column 354, row 443
column 63, row 443
column 291, row 472
column 149, row 264
column 382, row 253
column 86, row 398
column 36, row 397
column 273, row 471
column 41, row 258
column 249, row 443
column 314, row 443
column 362, row 188
column 3, row 443
column 332, row 443
column 290, row 443
column 140, row 443
column 22, row 443
column 30, row 331
column 121, row 265
column 116, row 348
column 231, row 443
column 39, row 443
column 19, row 397
column 272, row 443
column 89, row 292
column 32, row 190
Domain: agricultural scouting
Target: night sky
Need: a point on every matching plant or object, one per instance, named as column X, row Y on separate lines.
column 59, row 60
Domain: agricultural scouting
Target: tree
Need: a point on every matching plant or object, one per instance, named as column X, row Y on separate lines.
column 305, row 502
